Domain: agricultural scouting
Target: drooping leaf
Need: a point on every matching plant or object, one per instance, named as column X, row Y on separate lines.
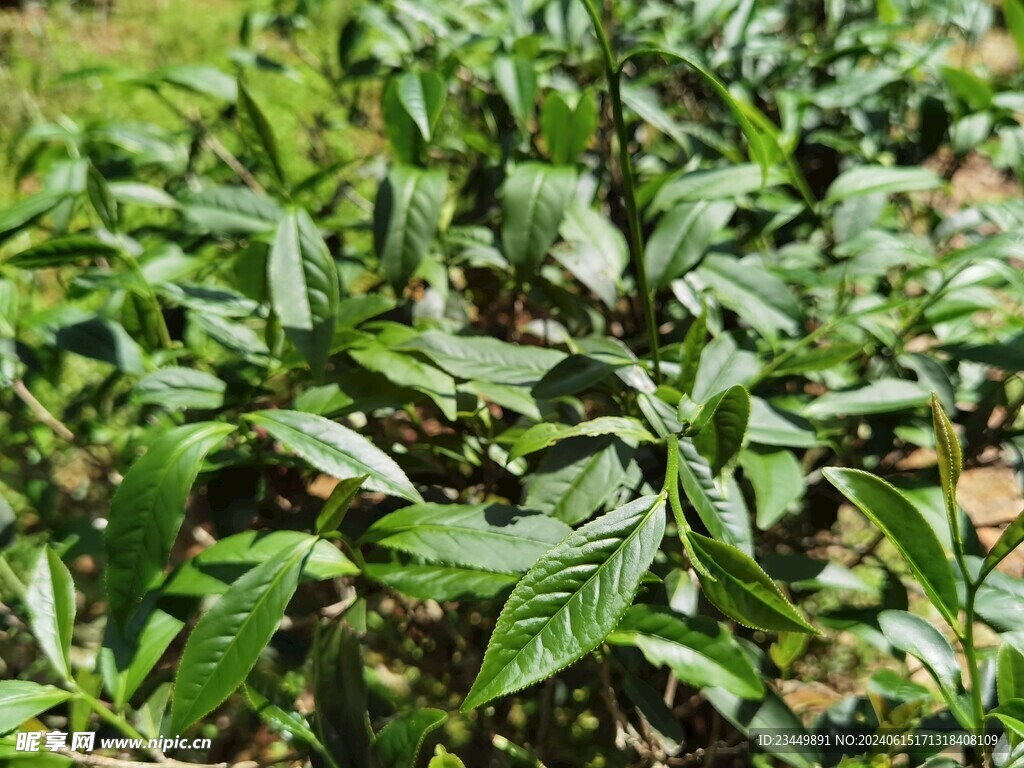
column 871, row 179
column 148, row 509
column 577, row 476
column 743, row 591
column 700, row 652
column 1013, row 10
column 904, row 526
column 277, row 717
column 405, row 218
column 181, row 388
column 21, row 700
column 545, row 434
column 101, row 198
column 407, row 371
column 570, row 600
column 759, row 297
column 769, row 716
column 303, row 281
column 485, row 358
column 1011, row 715
column 571, row 375
column 231, row 210
column 421, row 94
column 50, row 599
column 682, row 238
column 129, row 654
column 258, row 133
column 818, row 359
column 61, row 251
column 441, row 582
column 690, row 353
column 488, row 537
column 720, row 518
column 914, row 635
column 398, row 743
column 596, row 251
column 229, row 638
column 778, row 482
column 336, row 450
column 219, row 566
column 880, row 396
column 534, row 199
column 341, row 695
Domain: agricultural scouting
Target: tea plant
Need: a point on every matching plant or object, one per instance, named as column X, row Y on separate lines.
column 512, row 342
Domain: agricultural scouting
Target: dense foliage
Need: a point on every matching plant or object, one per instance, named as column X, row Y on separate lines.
column 517, row 402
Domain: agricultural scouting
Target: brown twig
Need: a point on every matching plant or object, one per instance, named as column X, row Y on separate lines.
column 214, row 145
column 113, row 762
column 40, row 412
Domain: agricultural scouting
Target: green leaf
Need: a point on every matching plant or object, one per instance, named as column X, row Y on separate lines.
column 914, row 635
column 101, row 198
column 50, row 599
column 722, row 520
column 148, row 509
column 100, row 339
column 516, row 81
column 405, row 218
column 1013, row 11
column 231, row 211
column 278, row 718
column 1010, row 674
column 21, row 700
column 485, row 358
column 950, row 466
column 690, row 353
column 1011, row 538
column 718, row 428
column 759, row 149
column 16, row 216
column 421, row 94
column 444, row 759
column 61, row 251
column 336, row 450
column 881, row 396
column 570, row 376
column 595, row 251
column 771, row 426
column 722, row 365
column 577, row 476
column 407, row 371
column 398, row 743
column 488, row 537
column 340, row 694
column 907, row 529
column 1011, row 715
column 533, row 203
column 258, row 133
column 752, row 292
column 771, row 715
column 303, row 281
column 228, row 639
column 183, row 388
column 873, row 179
column 724, row 183
column 743, row 591
column 337, row 504
column 129, row 654
column 806, row 573
column 570, row 600
column 777, row 479
column 217, row 567
column 545, row 434
column 441, row 582
column 567, row 130
column 818, row 359
column 700, row 652
column 682, row 237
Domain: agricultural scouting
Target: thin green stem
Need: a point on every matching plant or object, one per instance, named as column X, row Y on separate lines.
column 112, row 718
column 636, row 240
column 971, row 656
